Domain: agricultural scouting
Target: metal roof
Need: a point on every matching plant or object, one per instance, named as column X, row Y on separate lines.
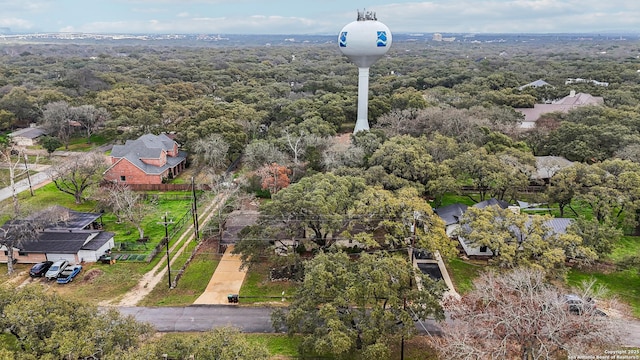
column 71, row 219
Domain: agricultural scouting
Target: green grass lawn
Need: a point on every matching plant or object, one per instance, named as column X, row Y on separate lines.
column 80, row 143
column 192, row 283
column 125, row 232
column 49, row 195
column 627, row 246
column 278, row 344
column 623, row 284
column 449, row 199
column 257, row 287
column 462, row 274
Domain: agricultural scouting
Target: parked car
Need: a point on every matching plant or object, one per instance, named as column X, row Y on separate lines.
column 39, row 269
column 67, row 275
column 55, row 269
column 579, row 306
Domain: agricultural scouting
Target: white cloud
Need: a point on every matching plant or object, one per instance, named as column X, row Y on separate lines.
column 24, row 5
column 251, row 24
column 149, row 10
column 509, row 16
column 535, row 16
column 15, row 23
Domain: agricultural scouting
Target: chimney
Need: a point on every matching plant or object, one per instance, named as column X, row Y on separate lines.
column 572, row 93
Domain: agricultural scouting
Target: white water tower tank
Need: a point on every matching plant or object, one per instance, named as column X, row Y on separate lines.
column 364, row 41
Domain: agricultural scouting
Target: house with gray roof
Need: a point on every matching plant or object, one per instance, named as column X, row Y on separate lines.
column 547, row 166
column 535, row 84
column 73, row 245
column 150, row 159
column 451, row 215
column 564, row 105
column 74, row 236
column 27, row 136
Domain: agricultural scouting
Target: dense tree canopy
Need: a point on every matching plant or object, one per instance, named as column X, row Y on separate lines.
column 521, row 239
column 49, row 326
column 346, row 307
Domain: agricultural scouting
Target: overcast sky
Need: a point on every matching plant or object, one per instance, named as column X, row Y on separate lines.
column 318, row 16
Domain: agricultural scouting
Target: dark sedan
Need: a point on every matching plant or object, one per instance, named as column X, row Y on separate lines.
column 39, row 269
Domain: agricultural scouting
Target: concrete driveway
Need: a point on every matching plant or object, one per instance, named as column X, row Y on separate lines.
column 227, row 279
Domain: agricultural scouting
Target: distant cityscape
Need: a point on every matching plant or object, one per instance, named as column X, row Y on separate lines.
column 238, row 39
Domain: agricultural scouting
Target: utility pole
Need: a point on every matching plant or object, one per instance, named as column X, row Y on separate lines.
column 194, row 209
column 404, row 307
column 26, row 169
column 166, row 238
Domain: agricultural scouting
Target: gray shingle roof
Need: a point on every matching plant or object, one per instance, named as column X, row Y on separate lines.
column 98, row 241
column 537, row 83
column 547, row 166
column 63, row 242
column 71, row 219
column 28, row 133
column 491, row 202
column 148, row 146
column 451, row 214
column 563, row 105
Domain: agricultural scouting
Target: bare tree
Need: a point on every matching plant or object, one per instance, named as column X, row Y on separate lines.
column 518, row 315
column 90, row 117
column 261, row 152
column 13, row 233
column 126, row 204
column 295, row 144
column 13, row 164
column 77, row 174
column 17, row 230
column 56, row 120
column 211, row 152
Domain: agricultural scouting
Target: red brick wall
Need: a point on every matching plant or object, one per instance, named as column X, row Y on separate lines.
column 173, row 152
column 132, row 174
column 157, row 162
column 29, row 259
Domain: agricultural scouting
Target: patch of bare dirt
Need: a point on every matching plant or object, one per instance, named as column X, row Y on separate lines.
column 344, row 139
column 92, row 275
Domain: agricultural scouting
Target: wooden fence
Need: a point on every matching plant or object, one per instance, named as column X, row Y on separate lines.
column 167, row 187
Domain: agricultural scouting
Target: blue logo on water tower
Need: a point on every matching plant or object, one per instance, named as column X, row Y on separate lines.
column 343, row 39
column 382, row 39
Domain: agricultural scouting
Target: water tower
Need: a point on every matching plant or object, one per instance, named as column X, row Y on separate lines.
column 364, row 41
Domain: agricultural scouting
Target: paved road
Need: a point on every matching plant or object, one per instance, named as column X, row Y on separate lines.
column 199, row 318
column 206, row 317
column 37, row 180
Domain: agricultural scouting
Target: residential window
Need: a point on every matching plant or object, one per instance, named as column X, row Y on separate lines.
column 22, row 253
column 6, row 253
column 483, row 249
column 123, row 178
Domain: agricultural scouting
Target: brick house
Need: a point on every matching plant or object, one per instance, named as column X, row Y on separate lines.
column 150, row 159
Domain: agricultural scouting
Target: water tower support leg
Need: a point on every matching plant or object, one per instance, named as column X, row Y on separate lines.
column 362, row 123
